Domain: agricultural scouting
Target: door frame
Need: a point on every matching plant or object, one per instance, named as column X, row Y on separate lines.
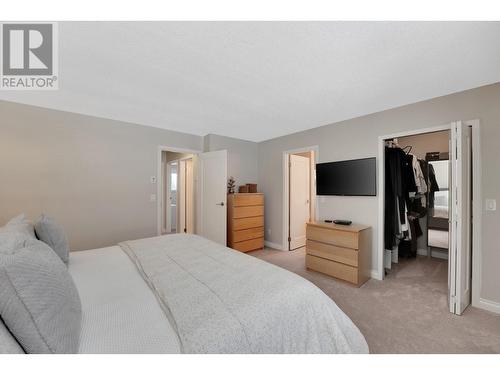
column 476, row 205
column 160, row 179
column 286, row 192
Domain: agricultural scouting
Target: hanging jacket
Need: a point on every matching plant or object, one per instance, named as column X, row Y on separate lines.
column 433, row 185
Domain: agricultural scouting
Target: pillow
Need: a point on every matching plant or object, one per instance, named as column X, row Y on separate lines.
column 19, row 224
column 12, row 241
column 8, row 344
column 39, row 303
column 53, row 235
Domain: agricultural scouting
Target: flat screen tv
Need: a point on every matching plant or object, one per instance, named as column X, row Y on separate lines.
column 347, row 178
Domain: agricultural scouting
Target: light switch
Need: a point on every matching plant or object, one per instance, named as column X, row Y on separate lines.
column 491, row 204
column 152, row 198
column 153, row 179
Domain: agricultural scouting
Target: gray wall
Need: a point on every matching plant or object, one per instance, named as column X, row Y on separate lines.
column 91, row 174
column 242, row 160
column 358, row 138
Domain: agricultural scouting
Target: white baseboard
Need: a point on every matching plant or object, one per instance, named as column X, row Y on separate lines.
column 434, row 253
column 375, row 275
column 489, row 305
column 273, row 245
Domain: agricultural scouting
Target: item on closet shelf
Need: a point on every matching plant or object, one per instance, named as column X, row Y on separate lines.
column 243, row 189
column 252, row 188
column 231, row 184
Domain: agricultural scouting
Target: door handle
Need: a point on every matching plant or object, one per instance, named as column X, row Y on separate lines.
column 220, row 204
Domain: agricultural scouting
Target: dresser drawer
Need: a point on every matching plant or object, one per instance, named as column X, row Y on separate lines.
column 333, row 237
column 247, row 234
column 332, row 252
column 338, row 270
column 248, row 222
column 248, row 200
column 254, row 244
column 248, row 211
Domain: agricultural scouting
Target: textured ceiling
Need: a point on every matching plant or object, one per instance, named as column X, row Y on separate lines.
column 260, row 80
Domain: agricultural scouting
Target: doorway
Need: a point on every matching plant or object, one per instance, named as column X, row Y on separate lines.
column 200, row 188
column 431, row 221
column 299, row 195
column 179, row 195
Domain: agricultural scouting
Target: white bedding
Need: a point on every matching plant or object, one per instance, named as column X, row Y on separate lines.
column 120, row 312
column 222, row 301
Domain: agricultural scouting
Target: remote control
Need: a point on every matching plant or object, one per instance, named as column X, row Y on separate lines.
column 343, row 222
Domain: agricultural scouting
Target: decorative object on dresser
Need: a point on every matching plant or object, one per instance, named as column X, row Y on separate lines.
column 243, row 189
column 252, row 188
column 245, row 226
column 231, row 185
column 340, row 251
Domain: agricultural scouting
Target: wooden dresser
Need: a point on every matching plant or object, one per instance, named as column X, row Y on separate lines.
column 245, row 221
column 340, row 251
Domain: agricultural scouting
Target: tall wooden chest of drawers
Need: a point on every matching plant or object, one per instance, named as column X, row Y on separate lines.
column 245, row 221
column 340, row 251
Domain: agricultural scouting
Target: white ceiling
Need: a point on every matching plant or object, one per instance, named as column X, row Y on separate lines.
column 260, row 80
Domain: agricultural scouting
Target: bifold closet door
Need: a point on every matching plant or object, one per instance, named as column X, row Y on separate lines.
column 460, row 219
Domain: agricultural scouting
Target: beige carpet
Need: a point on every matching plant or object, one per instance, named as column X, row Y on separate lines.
column 405, row 313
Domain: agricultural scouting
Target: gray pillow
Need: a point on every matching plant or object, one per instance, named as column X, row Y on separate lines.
column 11, row 241
column 8, row 344
column 53, row 235
column 19, row 224
column 39, row 303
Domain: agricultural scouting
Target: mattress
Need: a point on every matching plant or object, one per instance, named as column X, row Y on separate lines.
column 120, row 312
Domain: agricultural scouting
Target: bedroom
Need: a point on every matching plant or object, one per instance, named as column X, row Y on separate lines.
column 118, row 188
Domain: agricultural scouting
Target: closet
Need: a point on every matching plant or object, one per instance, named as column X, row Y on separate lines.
column 417, row 172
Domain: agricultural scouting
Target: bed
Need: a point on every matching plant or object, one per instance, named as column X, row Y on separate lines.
column 177, row 293
column 185, row 294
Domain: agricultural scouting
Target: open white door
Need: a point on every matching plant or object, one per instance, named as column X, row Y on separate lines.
column 299, row 200
column 213, row 195
column 181, row 197
column 460, row 223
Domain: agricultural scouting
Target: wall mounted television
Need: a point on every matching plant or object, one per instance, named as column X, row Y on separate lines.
column 347, row 178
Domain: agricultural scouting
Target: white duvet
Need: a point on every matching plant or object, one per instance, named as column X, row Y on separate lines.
column 269, row 310
column 222, row 301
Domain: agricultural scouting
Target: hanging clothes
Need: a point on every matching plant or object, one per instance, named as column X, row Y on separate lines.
column 419, row 176
column 433, row 185
column 399, row 181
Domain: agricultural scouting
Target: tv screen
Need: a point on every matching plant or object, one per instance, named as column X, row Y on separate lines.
column 350, row 177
